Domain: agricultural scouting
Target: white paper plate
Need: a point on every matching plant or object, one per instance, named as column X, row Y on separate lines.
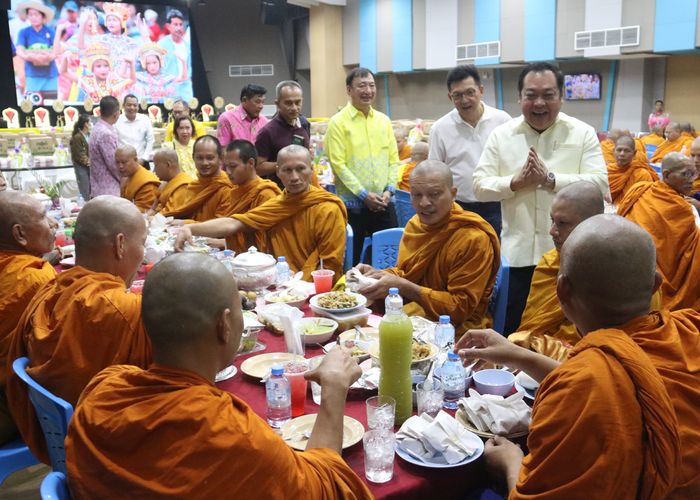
column 438, row 463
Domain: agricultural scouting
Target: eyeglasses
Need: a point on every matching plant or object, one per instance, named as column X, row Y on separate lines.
column 458, row 96
column 547, row 96
column 687, row 174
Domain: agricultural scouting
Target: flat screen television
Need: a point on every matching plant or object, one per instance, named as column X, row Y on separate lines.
column 582, row 86
column 102, row 48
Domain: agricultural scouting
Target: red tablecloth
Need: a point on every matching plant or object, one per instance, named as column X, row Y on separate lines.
column 409, row 481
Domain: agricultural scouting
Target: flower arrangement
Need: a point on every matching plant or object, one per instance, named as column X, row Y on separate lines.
column 49, row 188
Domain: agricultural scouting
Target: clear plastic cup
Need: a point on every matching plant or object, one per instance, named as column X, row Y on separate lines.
column 323, row 280
column 429, row 396
column 294, row 371
column 379, row 455
column 315, row 386
column 381, row 411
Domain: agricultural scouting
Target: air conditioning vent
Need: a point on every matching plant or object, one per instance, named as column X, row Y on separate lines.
column 627, row 36
column 245, row 70
column 478, row 50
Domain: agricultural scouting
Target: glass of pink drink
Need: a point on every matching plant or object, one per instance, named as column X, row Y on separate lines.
column 323, row 280
column 294, row 371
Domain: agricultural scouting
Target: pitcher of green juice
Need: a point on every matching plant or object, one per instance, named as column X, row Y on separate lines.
column 395, row 341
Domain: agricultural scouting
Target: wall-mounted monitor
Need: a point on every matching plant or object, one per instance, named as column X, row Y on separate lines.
column 71, row 50
column 582, row 86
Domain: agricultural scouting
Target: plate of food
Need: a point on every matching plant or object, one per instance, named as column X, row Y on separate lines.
column 289, row 296
column 259, row 366
column 421, row 352
column 338, row 302
column 316, row 330
column 296, row 432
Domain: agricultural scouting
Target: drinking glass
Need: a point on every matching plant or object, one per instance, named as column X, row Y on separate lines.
column 379, row 455
column 294, row 371
column 315, row 386
column 430, row 395
column 323, row 280
column 380, row 412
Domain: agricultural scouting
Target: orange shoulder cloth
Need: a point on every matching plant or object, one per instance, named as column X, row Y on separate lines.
column 199, row 192
column 137, row 181
column 164, row 193
column 244, row 196
column 622, row 178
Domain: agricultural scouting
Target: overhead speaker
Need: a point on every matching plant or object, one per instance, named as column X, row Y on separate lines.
column 273, row 11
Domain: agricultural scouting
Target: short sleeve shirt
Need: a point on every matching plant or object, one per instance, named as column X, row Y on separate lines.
column 31, row 39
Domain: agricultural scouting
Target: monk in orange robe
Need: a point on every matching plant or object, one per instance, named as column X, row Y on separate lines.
column 675, row 143
column 139, row 185
column 304, row 223
column 695, row 156
column 448, row 257
column 603, row 423
column 655, row 138
column 85, row 320
column 249, row 191
column 608, row 146
column 26, row 233
column 209, row 196
column 661, row 209
column 173, row 190
column 193, row 440
column 402, row 144
column 626, row 169
column 419, row 153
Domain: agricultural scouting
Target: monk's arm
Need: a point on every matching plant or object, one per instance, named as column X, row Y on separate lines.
column 217, row 228
column 146, row 197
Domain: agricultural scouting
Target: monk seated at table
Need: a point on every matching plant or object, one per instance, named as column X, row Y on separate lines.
column 419, row 153
column 675, row 143
column 85, row 320
column 661, row 208
column 139, row 185
column 448, row 257
column 249, row 191
column 193, row 439
column 173, row 189
column 304, row 223
column 603, row 423
column 608, row 146
column 626, row 169
column 26, row 233
column 655, row 138
column 209, row 196
column 544, row 328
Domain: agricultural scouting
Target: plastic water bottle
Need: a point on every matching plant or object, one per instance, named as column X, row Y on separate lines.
column 444, row 333
column 393, row 302
column 282, row 270
column 453, row 381
column 279, row 398
column 227, row 259
column 80, row 201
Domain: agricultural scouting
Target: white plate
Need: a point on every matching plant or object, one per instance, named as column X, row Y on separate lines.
column 438, row 463
column 68, row 262
column 259, row 366
column 226, row 373
column 361, row 301
column 352, row 431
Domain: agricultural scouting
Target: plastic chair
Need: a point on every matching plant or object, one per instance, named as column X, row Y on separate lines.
column 53, row 413
column 14, row 456
column 657, row 169
column 349, row 238
column 651, row 149
column 499, row 296
column 404, row 207
column 55, row 487
column 385, row 247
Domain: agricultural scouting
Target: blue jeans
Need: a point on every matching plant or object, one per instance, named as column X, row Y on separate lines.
column 41, row 84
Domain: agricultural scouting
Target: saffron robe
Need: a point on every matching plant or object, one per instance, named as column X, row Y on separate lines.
column 174, row 193
column 245, row 197
column 620, row 179
column 680, row 145
column 141, row 189
column 207, row 198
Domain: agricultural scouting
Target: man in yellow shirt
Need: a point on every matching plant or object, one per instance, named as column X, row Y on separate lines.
column 181, row 108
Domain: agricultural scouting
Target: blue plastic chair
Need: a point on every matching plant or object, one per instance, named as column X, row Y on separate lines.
column 499, row 296
column 55, row 487
column 404, row 207
column 385, row 247
column 53, row 413
column 651, row 149
column 14, row 456
column 657, row 169
column 349, row 238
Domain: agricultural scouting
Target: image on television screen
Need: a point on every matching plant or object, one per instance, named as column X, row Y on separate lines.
column 581, row 86
column 71, row 50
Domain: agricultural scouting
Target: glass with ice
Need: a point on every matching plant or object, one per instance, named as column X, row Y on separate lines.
column 379, row 455
column 294, row 371
column 429, row 395
column 381, row 411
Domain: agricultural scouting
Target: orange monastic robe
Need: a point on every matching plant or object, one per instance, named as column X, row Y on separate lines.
column 141, row 189
column 621, row 179
column 543, row 327
column 244, row 198
column 680, row 145
column 405, row 152
column 608, row 149
column 174, row 193
column 404, row 183
column 670, row 221
column 672, row 342
column 455, row 262
column 603, row 426
column 72, row 329
column 207, row 198
column 653, row 139
column 304, row 228
column 169, row 433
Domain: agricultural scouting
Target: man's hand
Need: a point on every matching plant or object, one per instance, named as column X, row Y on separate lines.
column 533, row 172
column 386, row 197
column 184, row 235
column 380, row 289
column 365, row 269
column 375, row 203
column 486, row 345
column 338, row 370
column 503, row 458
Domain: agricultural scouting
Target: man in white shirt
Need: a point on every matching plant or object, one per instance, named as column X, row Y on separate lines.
column 457, row 139
column 134, row 129
column 524, row 163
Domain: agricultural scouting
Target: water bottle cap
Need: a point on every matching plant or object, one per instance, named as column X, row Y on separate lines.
column 281, row 259
column 228, row 252
column 444, row 319
column 393, row 291
column 452, row 356
column 277, row 370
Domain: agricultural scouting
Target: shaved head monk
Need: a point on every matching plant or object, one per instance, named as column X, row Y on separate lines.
column 193, row 439
column 544, row 327
column 139, row 185
column 85, row 320
column 627, row 169
column 419, row 153
column 448, row 257
column 662, row 209
column 656, row 137
column 675, row 143
column 26, row 233
column 209, row 196
column 603, row 423
column 695, row 156
column 305, row 223
column 173, row 190
column 249, row 191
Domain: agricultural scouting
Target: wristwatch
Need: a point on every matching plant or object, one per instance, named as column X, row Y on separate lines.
column 551, row 180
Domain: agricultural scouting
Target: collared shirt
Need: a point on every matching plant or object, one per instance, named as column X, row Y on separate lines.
column 236, row 124
column 363, row 154
column 459, row 145
column 569, row 148
column 137, row 133
column 104, row 174
column 278, row 134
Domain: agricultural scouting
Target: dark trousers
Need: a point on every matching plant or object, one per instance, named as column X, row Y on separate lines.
column 490, row 211
column 365, row 223
column 518, row 288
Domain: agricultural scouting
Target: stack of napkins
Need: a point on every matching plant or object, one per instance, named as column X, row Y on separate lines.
column 356, row 281
column 368, row 380
column 501, row 416
column 430, row 437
